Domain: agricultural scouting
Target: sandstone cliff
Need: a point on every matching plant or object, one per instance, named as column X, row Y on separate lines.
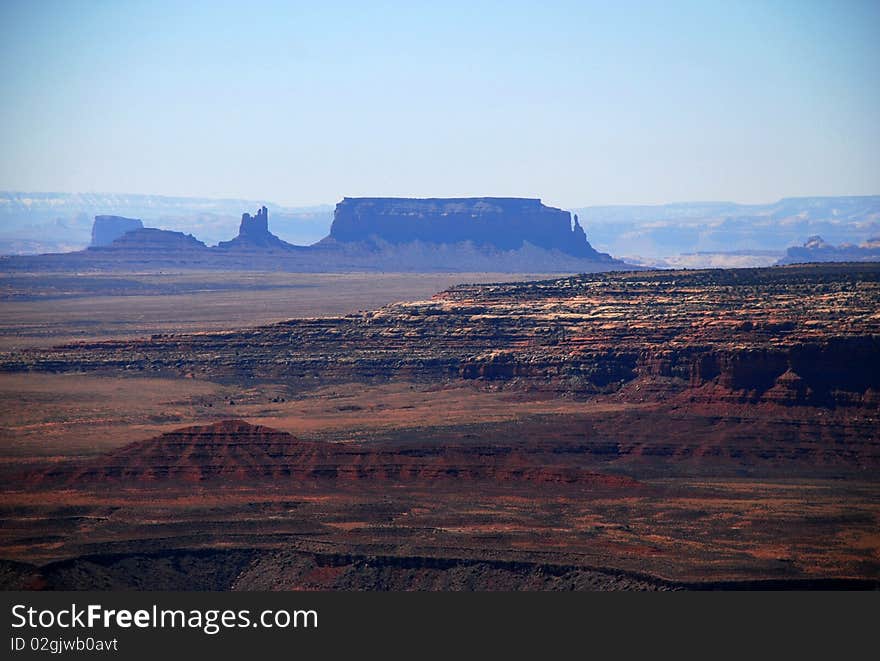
column 254, row 235
column 805, row 335
column 107, row 229
column 371, row 234
column 152, row 240
column 502, row 223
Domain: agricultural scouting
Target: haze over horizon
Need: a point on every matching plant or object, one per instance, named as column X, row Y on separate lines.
column 329, row 205
column 576, row 103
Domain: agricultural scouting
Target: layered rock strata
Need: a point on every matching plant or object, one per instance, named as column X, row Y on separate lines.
column 235, row 451
column 106, row 229
column 501, row 223
column 794, row 335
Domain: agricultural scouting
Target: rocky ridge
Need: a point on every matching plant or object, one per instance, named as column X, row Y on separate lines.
column 151, row 240
column 793, row 335
column 235, row 451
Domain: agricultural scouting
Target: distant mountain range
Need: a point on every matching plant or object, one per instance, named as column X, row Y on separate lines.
column 725, row 233
column 687, row 234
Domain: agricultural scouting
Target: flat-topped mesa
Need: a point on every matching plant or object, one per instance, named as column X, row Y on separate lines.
column 106, row 229
column 505, row 223
column 253, row 233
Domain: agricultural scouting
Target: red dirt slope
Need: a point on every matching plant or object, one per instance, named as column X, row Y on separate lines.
column 236, row 451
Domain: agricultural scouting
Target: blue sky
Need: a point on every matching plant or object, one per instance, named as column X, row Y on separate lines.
column 574, row 102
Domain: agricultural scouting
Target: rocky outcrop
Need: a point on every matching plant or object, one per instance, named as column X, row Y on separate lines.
column 816, row 249
column 260, row 569
column 467, row 235
column 107, row 229
column 500, row 223
column 254, row 234
column 796, row 335
column 236, row 451
column 156, row 241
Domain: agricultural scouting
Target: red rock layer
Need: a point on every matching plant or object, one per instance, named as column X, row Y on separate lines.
column 792, row 335
column 235, row 451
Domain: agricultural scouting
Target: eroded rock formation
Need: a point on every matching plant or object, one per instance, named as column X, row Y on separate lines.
column 234, row 450
column 469, row 235
column 106, row 229
column 151, row 240
column 816, row 249
column 798, row 335
column 501, row 223
column 254, row 235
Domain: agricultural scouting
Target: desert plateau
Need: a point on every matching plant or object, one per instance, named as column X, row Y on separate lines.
column 652, row 430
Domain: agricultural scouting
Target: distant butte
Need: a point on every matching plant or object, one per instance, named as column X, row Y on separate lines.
column 107, row 229
column 487, row 234
column 152, row 240
column 254, row 234
column 499, row 222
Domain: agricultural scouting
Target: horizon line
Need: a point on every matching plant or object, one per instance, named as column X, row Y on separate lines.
column 269, row 203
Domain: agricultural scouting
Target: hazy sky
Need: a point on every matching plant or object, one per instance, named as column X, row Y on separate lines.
column 574, row 102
